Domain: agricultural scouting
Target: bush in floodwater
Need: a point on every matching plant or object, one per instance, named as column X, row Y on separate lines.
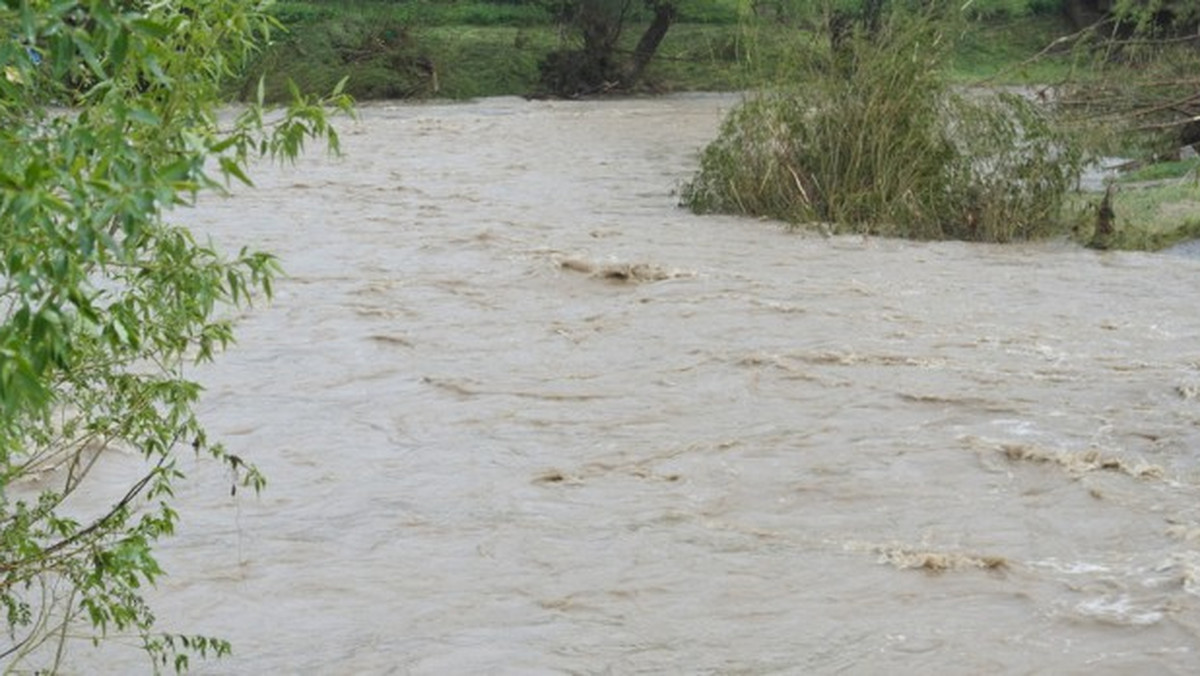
column 869, row 137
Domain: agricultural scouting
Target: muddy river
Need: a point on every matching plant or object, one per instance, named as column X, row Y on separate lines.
column 520, row 414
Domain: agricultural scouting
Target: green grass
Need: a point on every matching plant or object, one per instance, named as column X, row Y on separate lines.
column 379, row 56
column 470, row 60
column 1156, row 206
column 293, row 13
column 1000, row 52
column 476, row 61
column 1162, row 170
column 483, row 12
column 699, row 57
column 1148, row 218
column 489, row 48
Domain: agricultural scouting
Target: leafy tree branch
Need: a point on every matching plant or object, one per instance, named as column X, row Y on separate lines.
column 110, row 118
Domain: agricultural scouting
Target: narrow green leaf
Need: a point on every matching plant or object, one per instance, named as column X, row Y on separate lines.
column 230, row 167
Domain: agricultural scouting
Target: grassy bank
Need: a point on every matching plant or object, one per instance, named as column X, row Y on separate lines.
column 1148, row 215
column 472, row 49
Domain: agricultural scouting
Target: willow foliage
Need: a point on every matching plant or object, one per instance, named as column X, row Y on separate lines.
column 108, row 122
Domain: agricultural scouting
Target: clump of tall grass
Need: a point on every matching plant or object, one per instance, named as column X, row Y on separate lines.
column 871, row 138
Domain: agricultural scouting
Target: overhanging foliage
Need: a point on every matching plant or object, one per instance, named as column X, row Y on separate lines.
column 108, row 121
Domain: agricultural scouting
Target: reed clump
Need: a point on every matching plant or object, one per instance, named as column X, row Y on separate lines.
column 866, row 135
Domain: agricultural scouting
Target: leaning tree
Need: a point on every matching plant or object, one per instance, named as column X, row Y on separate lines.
column 592, row 59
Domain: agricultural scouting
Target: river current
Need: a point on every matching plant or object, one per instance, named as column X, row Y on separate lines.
column 521, row 414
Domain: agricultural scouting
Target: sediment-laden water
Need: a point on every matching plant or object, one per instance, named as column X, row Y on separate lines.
column 521, row 414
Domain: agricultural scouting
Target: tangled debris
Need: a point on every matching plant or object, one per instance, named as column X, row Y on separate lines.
column 623, row 273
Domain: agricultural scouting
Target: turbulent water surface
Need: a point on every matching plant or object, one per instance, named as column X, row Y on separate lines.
column 521, row 414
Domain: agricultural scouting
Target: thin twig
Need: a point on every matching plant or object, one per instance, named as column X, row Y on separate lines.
column 1167, row 125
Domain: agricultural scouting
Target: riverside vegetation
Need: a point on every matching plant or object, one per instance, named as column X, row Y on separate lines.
column 920, row 159
column 864, row 134
column 871, row 138
column 105, row 304
column 476, row 48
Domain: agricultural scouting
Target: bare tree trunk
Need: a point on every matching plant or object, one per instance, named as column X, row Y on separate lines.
column 664, row 15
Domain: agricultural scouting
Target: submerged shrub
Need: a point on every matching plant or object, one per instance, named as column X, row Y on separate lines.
column 872, row 139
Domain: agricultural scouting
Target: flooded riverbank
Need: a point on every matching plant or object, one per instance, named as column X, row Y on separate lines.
column 521, row 414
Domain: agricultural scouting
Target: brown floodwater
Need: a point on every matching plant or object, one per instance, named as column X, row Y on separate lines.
column 521, row 414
